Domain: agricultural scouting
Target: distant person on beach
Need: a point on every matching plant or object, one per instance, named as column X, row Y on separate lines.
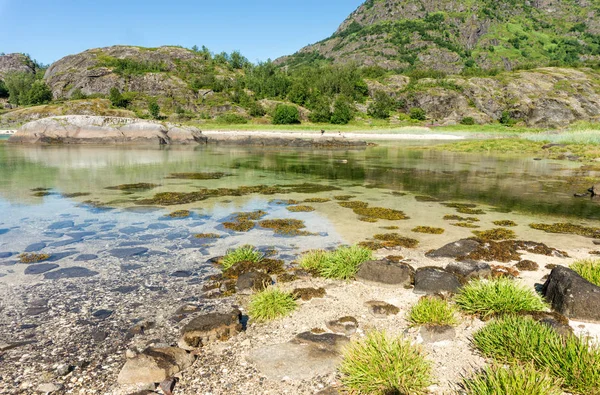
column 322, row 132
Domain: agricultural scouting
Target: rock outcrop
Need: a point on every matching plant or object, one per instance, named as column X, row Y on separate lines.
column 571, row 295
column 81, row 129
column 16, row 62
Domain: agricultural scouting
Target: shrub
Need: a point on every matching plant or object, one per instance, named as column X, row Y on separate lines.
column 245, row 253
column 432, row 311
column 117, row 99
column 232, row 119
column 77, row 94
column 38, row 93
column 3, row 90
column 506, row 119
column 341, row 264
column 342, row 112
column 417, row 114
column 498, row 296
column 153, row 108
column 588, row 269
column 381, row 106
column 380, row 365
column 23, row 89
column 255, row 109
column 467, row 121
column 515, row 380
column 516, row 340
column 286, row 115
column 270, row 304
column 321, row 112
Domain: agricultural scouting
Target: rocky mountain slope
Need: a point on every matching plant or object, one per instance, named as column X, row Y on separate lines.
column 452, row 36
column 16, row 62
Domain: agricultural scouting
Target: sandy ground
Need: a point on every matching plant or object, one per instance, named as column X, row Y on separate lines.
column 419, row 134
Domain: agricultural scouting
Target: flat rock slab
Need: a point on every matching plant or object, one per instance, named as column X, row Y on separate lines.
column 571, row 295
column 60, row 255
column 437, row 333
column 304, row 358
column 154, row 365
column 35, row 247
column 86, row 257
column 61, row 225
column 40, row 268
column 70, row 272
column 4, row 255
column 128, row 252
column 454, row 250
column 210, row 327
column 386, row 273
column 468, row 270
column 432, row 280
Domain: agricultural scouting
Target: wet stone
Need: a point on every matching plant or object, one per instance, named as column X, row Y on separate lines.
column 210, row 327
column 35, row 247
column 102, row 314
column 4, row 255
column 63, row 243
column 181, row 274
column 386, row 273
column 131, row 244
column 253, row 281
column 345, row 325
column 80, row 235
column 381, row 309
column 572, row 296
column 3, row 231
column 158, row 226
column 70, row 272
column 128, row 252
column 432, row 280
column 454, row 250
column 468, row 270
column 126, row 289
column 40, row 268
column 54, row 235
column 131, row 230
column 307, row 294
column 86, row 257
column 129, row 268
column 61, row 225
column 36, row 310
column 60, row 255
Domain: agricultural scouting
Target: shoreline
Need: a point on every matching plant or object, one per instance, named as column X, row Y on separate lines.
column 231, row 135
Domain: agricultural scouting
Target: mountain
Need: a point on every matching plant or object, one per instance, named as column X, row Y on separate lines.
column 456, row 36
column 16, row 62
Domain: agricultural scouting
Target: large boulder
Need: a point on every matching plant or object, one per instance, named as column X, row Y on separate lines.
column 84, row 129
column 154, row 365
column 210, row 327
column 386, row 273
column 572, row 295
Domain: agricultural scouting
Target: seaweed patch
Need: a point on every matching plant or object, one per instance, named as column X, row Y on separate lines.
column 198, row 176
column 586, row 231
column 179, row 214
column 300, row 209
column 33, row 258
column 141, row 186
column 505, row 222
column 495, row 234
column 286, row 227
column 428, row 229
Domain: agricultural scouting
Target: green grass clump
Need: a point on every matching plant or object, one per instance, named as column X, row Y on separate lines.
column 518, row 340
column 588, row 269
column 341, row 264
column 515, row 380
column 495, row 234
column 270, row 304
column 380, row 365
column 432, row 311
column 499, row 296
column 245, row 253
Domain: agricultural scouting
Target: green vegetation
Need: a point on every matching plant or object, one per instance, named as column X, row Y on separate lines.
column 522, row 340
column 245, row 253
column 341, row 264
column 117, row 99
column 153, row 108
column 588, row 269
column 24, row 89
column 270, row 304
column 498, row 296
column 380, row 365
column 286, row 115
column 513, row 380
column 417, row 114
column 431, row 310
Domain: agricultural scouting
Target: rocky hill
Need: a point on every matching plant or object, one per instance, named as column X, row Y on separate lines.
column 16, row 62
column 451, row 36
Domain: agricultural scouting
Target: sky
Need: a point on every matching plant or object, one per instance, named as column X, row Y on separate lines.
column 261, row 30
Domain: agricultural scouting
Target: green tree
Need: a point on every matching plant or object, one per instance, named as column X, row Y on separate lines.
column 342, row 112
column 18, row 85
column 321, row 111
column 117, row 99
column 286, row 115
column 237, row 60
column 255, row 109
column 153, row 108
column 381, row 106
column 3, row 90
column 38, row 93
column 78, row 95
column 417, row 114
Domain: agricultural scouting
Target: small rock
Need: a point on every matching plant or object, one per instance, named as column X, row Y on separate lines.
column 437, row 333
column 49, row 388
column 454, row 250
column 386, row 273
column 468, row 270
column 181, row 274
column 346, row 325
column 70, row 272
column 253, row 281
column 527, row 265
column 210, row 327
column 433, row 280
column 154, row 365
column 382, row 309
column 307, row 294
column 102, row 314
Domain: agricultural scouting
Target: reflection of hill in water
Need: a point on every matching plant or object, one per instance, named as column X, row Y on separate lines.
column 515, row 183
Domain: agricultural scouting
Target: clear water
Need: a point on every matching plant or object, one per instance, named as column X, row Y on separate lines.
column 506, row 187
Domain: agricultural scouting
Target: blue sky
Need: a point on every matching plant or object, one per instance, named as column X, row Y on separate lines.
column 51, row 29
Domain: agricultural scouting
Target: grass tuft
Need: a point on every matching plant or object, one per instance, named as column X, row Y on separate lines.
column 270, row 304
column 380, row 365
column 341, row 264
column 499, row 296
column 432, row 311
column 245, row 253
column 516, row 380
column 588, row 269
column 518, row 340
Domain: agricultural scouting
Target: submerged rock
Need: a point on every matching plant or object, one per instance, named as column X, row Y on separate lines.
column 70, row 272
column 154, row 365
column 210, row 327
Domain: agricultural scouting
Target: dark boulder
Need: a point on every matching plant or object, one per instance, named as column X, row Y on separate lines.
column 386, row 273
column 454, row 250
column 433, row 280
column 572, row 295
column 468, row 270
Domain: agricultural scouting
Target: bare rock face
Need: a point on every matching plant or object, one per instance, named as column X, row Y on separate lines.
column 154, row 365
column 15, row 62
column 209, row 328
column 83, row 129
column 572, row 296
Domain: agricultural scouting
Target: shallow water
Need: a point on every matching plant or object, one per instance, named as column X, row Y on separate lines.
column 389, row 175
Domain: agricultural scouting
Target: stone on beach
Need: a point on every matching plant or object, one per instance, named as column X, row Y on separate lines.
column 572, row 295
column 386, row 273
column 210, row 327
column 432, row 280
column 154, row 365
